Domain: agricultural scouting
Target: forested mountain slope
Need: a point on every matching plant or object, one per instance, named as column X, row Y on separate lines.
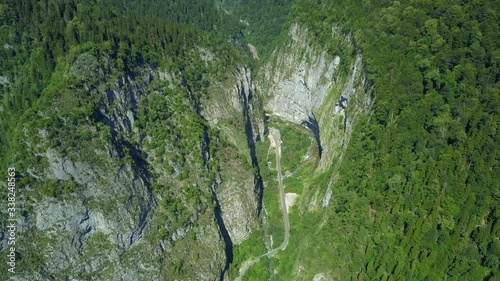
column 416, row 193
column 120, row 175
column 262, row 21
column 424, row 165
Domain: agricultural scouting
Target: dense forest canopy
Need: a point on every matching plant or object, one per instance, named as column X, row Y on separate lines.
column 262, row 21
column 39, row 35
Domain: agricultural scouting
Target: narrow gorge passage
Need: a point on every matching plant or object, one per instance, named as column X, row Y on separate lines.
column 275, row 134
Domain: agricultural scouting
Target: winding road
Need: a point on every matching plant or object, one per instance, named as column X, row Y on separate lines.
column 275, row 134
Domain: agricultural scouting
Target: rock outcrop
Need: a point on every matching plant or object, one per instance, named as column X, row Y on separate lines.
column 303, row 84
column 298, row 78
column 237, row 114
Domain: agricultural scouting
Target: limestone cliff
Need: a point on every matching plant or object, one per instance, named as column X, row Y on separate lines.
column 236, row 112
column 304, row 84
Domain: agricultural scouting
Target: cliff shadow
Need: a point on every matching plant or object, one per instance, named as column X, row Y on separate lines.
column 228, row 244
column 258, row 182
column 312, row 124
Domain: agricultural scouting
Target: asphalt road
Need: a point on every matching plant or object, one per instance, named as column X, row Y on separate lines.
column 275, row 134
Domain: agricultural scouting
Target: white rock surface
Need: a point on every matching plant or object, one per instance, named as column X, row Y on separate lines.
column 300, row 78
column 290, row 199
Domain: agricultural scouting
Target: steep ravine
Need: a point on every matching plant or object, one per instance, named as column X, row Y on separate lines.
column 303, row 84
column 228, row 249
column 150, row 198
column 240, row 121
column 251, row 137
column 239, row 191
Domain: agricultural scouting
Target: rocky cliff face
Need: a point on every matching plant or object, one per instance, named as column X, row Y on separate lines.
column 109, row 209
column 236, row 112
column 130, row 213
column 303, row 84
column 297, row 78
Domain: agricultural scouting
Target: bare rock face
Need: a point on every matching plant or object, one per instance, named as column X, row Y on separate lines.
column 86, row 232
column 217, row 109
column 239, row 118
column 253, row 51
column 239, row 208
column 65, row 169
column 4, row 80
column 233, row 99
column 298, row 78
column 304, row 85
column 338, row 117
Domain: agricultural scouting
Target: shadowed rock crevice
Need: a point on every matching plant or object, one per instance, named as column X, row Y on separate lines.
column 225, row 234
column 341, row 105
column 205, row 151
column 345, row 120
column 249, row 133
column 312, row 124
column 131, row 153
